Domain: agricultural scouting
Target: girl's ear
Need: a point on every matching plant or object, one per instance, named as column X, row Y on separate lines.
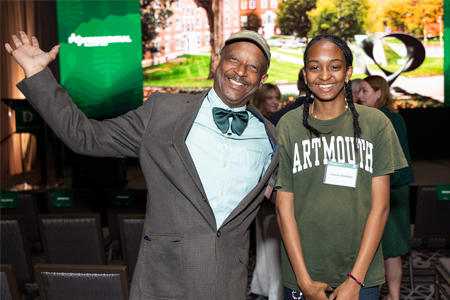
column 348, row 75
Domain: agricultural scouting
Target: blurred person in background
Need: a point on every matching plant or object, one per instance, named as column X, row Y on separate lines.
column 396, row 240
column 301, row 86
column 267, row 99
column 267, row 277
column 355, row 89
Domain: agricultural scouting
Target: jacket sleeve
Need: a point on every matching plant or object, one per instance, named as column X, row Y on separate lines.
column 119, row 137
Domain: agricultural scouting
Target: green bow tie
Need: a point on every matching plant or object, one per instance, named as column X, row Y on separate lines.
column 221, row 117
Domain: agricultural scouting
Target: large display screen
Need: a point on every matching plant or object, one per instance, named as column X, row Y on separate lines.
column 101, row 55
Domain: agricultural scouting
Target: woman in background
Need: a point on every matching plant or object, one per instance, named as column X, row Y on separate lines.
column 267, row 99
column 396, row 240
column 267, row 278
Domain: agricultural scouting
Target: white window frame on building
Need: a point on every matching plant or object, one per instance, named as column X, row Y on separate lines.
column 236, row 20
column 178, row 45
column 263, row 3
column 244, row 20
column 178, row 4
column 252, row 4
column 199, row 22
column 199, row 40
column 167, row 43
column 227, row 21
column 236, row 5
column 207, row 37
column 227, row 4
column 178, row 22
column 273, row 3
column 244, row 4
column 207, row 23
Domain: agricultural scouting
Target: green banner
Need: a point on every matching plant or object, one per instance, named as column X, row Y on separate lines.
column 27, row 120
column 443, row 192
column 8, row 199
column 101, row 55
column 63, row 198
column 123, row 197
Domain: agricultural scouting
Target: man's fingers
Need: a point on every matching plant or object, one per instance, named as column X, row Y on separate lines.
column 329, row 288
column 8, row 48
column 54, row 51
column 16, row 41
column 35, row 42
column 24, row 37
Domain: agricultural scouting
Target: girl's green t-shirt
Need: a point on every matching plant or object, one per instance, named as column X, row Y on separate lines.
column 331, row 218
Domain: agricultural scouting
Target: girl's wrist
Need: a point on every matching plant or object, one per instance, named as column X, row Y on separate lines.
column 355, row 280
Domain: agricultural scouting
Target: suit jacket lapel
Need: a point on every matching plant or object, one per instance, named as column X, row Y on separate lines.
column 188, row 113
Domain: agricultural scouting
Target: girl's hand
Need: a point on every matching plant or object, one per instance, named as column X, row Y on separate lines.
column 316, row 291
column 348, row 290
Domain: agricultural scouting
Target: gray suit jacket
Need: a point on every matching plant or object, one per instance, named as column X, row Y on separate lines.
column 182, row 254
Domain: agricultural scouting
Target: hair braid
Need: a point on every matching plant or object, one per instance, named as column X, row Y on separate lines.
column 308, row 101
column 351, row 105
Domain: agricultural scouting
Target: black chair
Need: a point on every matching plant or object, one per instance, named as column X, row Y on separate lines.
column 432, row 222
column 27, row 207
column 131, row 228
column 72, row 239
column 14, row 248
column 138, row 207
column 442, row 272
column 8, row 289
column 82, row 203
column 74, row 282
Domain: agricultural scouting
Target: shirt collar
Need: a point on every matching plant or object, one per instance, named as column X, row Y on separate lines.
column 215, row 101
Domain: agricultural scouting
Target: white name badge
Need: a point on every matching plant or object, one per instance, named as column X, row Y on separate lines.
column 342, row 174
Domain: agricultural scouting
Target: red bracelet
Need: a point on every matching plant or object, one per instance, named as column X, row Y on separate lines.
column 357, row 281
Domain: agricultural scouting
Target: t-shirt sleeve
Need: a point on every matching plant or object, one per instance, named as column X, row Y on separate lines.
column 284, row 176
column 388, row 153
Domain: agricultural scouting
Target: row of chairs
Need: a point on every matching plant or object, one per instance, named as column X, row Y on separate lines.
column 67, row 239
column 27, row 205
column 70, row 282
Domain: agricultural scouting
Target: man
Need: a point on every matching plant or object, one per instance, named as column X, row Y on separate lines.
column 301, row 86
column 206, row 159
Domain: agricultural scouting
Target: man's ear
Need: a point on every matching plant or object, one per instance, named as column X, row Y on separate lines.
column 263, row 79
column 216, row 60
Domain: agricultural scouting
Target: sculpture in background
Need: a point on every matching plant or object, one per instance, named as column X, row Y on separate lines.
column 415, row 54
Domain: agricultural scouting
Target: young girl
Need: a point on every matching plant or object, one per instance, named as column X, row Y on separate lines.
column 333, row 183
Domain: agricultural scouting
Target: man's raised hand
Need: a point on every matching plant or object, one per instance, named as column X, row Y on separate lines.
column 29, row 56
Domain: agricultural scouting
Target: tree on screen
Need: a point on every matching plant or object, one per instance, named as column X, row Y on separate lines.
column 344, row 18
column 213, row 10
column 292, row 17
column 423, row 12
column 253, row 22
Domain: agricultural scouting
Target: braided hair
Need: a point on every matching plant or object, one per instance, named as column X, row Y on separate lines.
column 347, row 86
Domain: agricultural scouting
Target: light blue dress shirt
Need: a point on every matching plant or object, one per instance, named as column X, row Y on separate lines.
column 229, row 166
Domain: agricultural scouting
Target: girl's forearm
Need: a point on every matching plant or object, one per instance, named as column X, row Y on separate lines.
column 373, row 230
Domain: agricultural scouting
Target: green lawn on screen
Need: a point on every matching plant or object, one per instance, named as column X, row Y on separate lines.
column 194, row 69
column 432, row 66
